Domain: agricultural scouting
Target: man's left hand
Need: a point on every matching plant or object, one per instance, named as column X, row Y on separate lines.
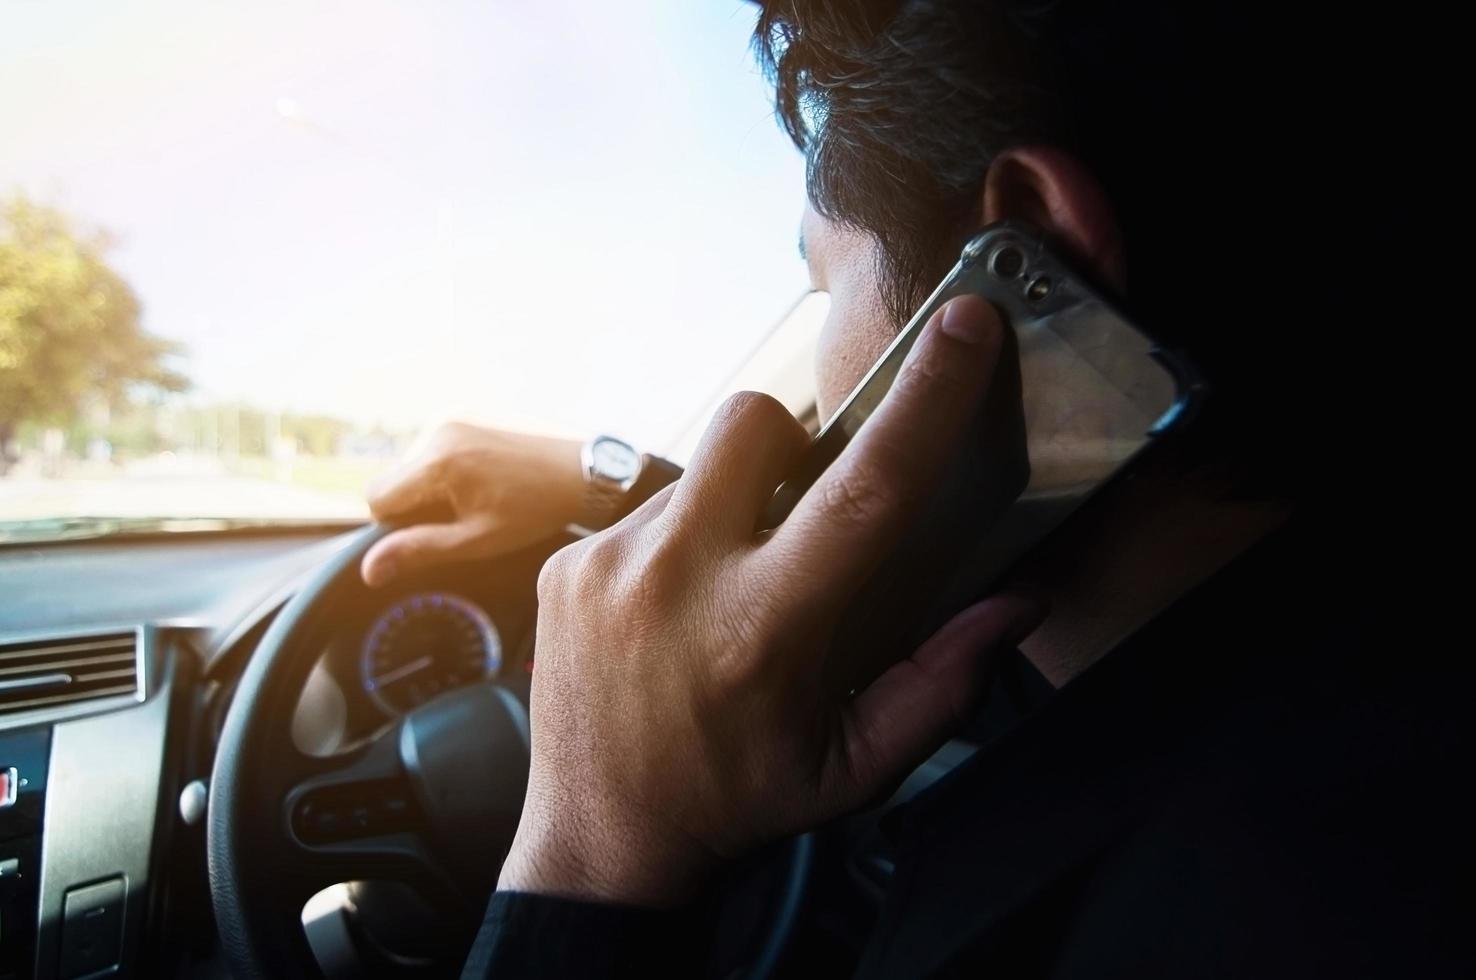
column 677, row 706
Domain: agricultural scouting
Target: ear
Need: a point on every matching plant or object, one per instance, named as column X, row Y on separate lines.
column 1056, row 193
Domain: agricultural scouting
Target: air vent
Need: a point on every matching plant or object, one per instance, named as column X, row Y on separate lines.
column 64, row 670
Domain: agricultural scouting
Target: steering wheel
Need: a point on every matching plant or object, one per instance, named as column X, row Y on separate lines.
column 431, row 803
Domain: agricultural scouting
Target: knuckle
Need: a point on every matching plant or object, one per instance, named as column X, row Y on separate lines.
column 442, row 437
column 933, row 370
column 656, row 579
column 554, row 576
column 440, row 467
column 376, row 495
column 450, row 440
column 452, row 430
column 741, row 404
column 860, row 498
column 595, row 561
column 752, row 414
column 550, row 580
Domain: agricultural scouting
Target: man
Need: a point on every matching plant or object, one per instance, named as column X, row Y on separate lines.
column 1229, row 778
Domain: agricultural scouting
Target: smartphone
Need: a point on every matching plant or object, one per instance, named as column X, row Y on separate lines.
column 1079, row 392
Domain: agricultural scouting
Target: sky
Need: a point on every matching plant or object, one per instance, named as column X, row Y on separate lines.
column 567, row 216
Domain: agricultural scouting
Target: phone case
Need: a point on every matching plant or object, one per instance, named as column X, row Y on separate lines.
column 1088, row 391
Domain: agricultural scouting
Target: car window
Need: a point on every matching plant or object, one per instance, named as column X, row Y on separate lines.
column 249, row 251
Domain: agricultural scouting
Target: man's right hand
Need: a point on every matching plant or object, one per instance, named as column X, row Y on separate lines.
column 499, row 491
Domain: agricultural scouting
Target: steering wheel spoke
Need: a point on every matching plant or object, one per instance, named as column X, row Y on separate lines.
column 398, row 856
column 352, row 815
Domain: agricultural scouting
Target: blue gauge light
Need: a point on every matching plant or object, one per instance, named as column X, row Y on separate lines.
column 424, row 645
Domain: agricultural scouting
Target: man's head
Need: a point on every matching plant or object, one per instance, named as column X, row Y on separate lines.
column 1121, row 130
column 901, row 110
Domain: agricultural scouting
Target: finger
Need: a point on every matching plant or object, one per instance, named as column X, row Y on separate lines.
column 749, row 446
column 412, row 548
column 912, row 709
column 857, row 508
column 406, row 488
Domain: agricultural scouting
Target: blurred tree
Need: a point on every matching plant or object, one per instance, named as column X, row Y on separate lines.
column 316, row 435
column 69, row 324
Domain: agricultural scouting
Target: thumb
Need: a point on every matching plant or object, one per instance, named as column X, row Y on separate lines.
column 420, row 546
column 906, row 713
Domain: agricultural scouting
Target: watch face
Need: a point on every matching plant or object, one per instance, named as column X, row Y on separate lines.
column 614, row 460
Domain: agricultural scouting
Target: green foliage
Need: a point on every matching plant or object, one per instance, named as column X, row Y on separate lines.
column 70, row 334
column 316, row 435
column 241, row 430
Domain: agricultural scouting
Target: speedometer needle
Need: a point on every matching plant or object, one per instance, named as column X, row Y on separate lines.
column 400, row 673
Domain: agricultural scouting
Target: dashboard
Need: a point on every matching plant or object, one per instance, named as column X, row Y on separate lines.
column 104, row 786
column 118, row 661
column 407, row 644
column 424, row 645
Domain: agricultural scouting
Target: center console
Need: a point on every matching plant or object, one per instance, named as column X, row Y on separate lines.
column 83, row 726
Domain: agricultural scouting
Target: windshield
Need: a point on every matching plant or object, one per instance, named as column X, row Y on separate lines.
column 248, row 252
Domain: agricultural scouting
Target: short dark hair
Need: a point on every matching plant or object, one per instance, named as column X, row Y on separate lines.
column 899, row 109
column 900, row 106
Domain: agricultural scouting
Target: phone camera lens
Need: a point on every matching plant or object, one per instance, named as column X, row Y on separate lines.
column 1007, row 262
column 1039, row 289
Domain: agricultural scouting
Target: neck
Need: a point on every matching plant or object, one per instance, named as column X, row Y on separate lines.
column 1130, row 553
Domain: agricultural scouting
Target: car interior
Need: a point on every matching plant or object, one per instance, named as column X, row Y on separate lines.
column 221, row 751
column 354, row 759
column 252, row 747
column 222, row 746
column 313, row 236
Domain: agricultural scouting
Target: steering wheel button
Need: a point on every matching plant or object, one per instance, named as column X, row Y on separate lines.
column 315, row 822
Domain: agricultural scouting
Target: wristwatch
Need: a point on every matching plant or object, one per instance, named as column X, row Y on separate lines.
column 611, row 468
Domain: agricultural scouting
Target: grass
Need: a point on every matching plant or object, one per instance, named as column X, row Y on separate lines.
column 337, row 475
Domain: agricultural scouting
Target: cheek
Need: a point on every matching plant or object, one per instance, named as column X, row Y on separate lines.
column 853, row 337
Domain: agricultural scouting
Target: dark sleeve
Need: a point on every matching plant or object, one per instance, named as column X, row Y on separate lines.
column 527, row 935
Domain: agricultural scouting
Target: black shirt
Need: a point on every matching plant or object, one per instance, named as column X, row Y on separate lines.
column 1261, row 782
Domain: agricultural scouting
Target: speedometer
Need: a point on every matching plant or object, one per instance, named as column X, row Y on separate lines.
column 426, row 644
